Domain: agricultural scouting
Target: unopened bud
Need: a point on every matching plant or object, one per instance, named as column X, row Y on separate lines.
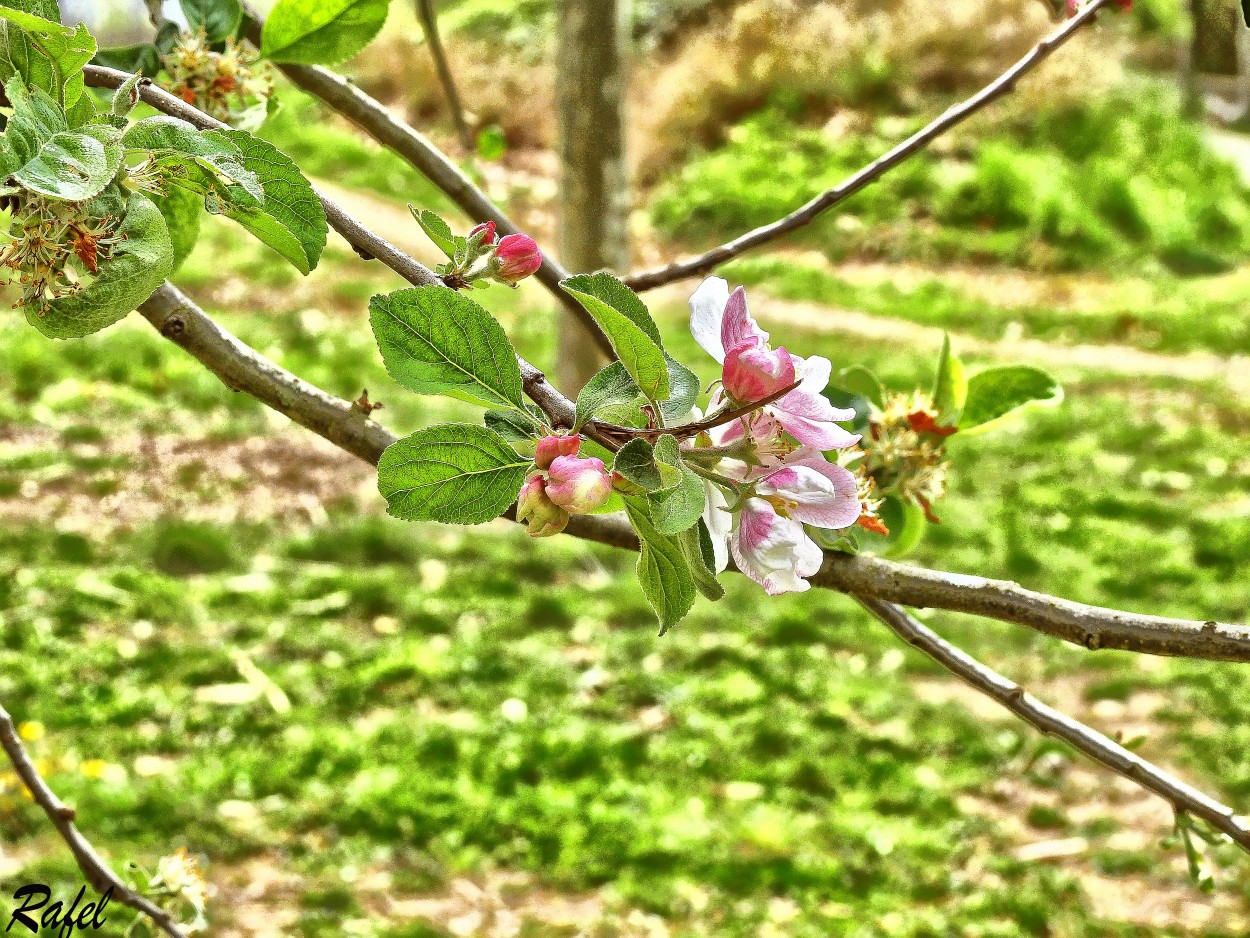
column 516, row 257
column 483, row 233
column 540, row 515
column 578, row 485
column 550, row 447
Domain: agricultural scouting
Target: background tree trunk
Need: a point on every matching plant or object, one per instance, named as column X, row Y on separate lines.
column 1214, row 44
column 594, row 196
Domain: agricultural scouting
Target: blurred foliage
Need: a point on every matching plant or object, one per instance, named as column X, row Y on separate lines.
column 1123, row 180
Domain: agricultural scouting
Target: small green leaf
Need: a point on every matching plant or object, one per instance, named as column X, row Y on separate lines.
column 628, row 326
column 291, row 219
column 126, row 96
column 218, row 18
column 859, row 380
column 457, row 473
column 321, row 32
column 683, row 387
column 182, row 210
column 141, row 59
column 74, row 165
column 611, row 387
column 663, row 571
column 49, row 56
column 995, row 393
column 512, row 425
column 435, row 229
column 437, row 341
column 679, row 508
column 696, row 545
column 907, row 524
column 638, row 463
column 136, row 266
column 950, row 388
column 170, row 138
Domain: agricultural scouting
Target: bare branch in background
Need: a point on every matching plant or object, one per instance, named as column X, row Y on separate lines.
column 916, row 143
column 429, row 24
column 97, row 873
column 1182, row 797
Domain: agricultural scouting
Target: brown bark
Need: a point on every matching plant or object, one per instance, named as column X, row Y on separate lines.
column 594, row 196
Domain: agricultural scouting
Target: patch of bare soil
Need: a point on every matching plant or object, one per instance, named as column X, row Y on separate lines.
column 290, row 476
column 1080, row 793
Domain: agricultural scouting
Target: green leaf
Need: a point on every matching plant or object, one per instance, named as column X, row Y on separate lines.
column 859, row 380
column 291, row 219
column 437, row 341
column 683, row 386
column 218, row 18
column 637, row 462
column 679, row 508
column 172, row 138
column 47, row 55
column 321, row 32
column 136, row 265
column 611, row 387
column 995, row 393
column 513, row 425
column 628, row 326
column 696, row 545
column 73, row 165
column 141, row 59
column 435, row 229
column 950, row 388
column 457, row 473
column 907, row 525
column 663, row 571
column 126, row 97
column 182, row 210
column 36, row 120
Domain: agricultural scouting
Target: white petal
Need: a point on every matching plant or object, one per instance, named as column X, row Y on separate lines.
column 814, row 372
column 719, row 523
column 768, row 548
column 707, row 309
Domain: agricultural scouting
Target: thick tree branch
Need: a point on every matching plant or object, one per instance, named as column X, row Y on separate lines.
column 705, row 262
column 1092, row 627
column 243, row 369
column 94, row 869
column 429, row 25
column 1028, row 708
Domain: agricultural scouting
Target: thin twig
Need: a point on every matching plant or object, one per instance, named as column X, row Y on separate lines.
column 98, row 874
column 429, row 24
column 1028, row 708
column 687, row 430
column 242, row 369
column 705, row 262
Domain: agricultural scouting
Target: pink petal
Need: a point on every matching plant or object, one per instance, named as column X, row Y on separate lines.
column 753, row 372
column 707, row 309
column 802, row 403
column 820, row 434
column 737, row 328
column 823, row 494
column 769, row 549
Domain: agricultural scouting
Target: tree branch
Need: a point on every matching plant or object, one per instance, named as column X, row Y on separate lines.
column 243, row 369
column 368, row 244
column 1028, row 708
column 429, row 24
column 97, row 872
column 371, row 116
column 705, row 262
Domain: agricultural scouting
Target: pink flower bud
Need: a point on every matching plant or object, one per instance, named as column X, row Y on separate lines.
column 549, row 447
column 540, row 515
column 753, row 372
column 578, row 485
column 489, row 236
column 516, row 257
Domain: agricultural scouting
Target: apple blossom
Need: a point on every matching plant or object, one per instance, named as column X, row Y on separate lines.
column 485, row 233
column 516, row 257
column 723, row 326
column 551, row 447
column 541, row 516
column 578, row 484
